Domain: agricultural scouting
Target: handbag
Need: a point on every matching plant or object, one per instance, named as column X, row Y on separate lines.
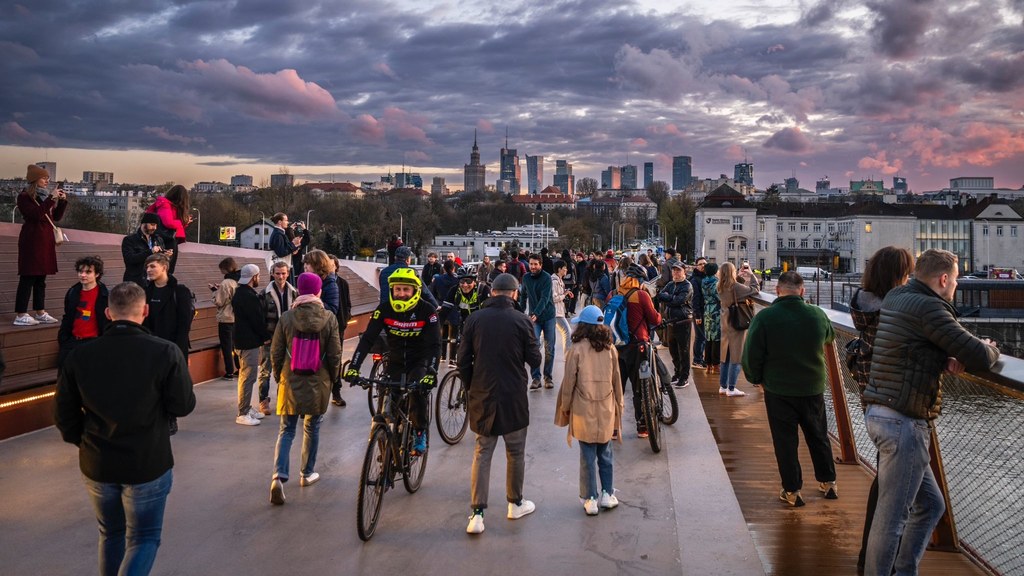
column 59, row 237
column 740, row 313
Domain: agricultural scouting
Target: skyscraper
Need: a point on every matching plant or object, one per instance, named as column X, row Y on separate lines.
column 744, row 172
column 534, row 174
column 474, row 174
column 564, row 179
column 648, row 174
column 611, row 179
column 628, row 176
column 510, row 169
column 899, row 185
column 282, row 180
column 682, row 172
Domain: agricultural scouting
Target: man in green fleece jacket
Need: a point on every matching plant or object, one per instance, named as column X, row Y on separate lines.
column 785, row 352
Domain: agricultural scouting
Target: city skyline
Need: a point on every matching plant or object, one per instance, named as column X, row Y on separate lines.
column 193, row 91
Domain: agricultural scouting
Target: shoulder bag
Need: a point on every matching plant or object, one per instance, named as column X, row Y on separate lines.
column 740, row 312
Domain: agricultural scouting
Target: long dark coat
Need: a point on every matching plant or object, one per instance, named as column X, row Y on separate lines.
column 37, row 251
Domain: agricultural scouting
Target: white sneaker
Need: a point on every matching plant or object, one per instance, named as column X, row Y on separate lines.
column 276, row 492
column 247, row 420
column 45, row 318
column 254, row 413
column 735, row 392
column 723, row 391
column 476, row 524
column 590, row 507
column 25, row 320
column 516, row 512
column 608, row 501
column 309, row 480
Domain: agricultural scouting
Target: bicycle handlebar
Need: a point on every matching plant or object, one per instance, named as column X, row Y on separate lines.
column 367, row 382
column 666, row 323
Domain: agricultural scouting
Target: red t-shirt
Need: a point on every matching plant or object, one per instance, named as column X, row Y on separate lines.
column 86, row 325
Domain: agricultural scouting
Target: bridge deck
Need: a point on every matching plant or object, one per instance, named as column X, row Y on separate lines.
column 680, row 513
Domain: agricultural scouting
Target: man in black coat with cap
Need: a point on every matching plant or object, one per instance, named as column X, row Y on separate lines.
column 142, row 244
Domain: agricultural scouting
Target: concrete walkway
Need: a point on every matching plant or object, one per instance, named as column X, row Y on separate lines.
column 678, row 515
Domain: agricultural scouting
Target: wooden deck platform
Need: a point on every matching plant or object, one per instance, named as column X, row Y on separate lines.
column 822, row 537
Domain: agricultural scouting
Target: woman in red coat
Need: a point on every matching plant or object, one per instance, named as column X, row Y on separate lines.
column 37, row 250
column 175, row 214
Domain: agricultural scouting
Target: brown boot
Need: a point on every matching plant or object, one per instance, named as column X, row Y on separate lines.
column 265, row 407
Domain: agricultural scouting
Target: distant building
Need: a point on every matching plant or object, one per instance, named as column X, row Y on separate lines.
column 256, row 235
column 473, row 246
column 564, row 179
column 744, row 173
column 337, row 189
column 91, row 177
column 867, row 187
column 123, row 211
column 51, row 168
column 792, row 185
column 611, row 179
column 438, row 187
column 899, row 185
column 640, row 208
column 282, row 180
column 547, row 199
column 627, row 174
column 209, row 187
column 474, row 173
column 241, row 180
column 510, row 169
column 648, row 174
column 534, row 174
column 682, row 172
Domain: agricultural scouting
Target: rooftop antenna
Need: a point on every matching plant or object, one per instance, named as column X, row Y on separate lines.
column 506, row 137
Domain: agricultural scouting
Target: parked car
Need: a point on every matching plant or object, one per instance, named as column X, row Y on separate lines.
column 811, row 273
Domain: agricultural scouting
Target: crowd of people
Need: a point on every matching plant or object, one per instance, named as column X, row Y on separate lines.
column 499, row 325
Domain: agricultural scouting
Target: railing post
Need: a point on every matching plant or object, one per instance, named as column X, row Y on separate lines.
column 944, row 537
column 844, row 428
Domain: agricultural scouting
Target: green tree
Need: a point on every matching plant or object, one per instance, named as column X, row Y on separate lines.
column 586, row 187
column 657, row 191
column 678, row 226
column 83, row 217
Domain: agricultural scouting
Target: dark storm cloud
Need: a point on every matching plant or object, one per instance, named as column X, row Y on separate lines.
column 337, row 82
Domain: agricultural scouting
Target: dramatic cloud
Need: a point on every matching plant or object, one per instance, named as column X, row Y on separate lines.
column 923, row 87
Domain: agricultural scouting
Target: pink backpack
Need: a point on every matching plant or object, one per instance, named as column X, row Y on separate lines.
column 305, row 353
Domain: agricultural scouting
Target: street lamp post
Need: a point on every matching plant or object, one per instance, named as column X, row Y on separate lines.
column 308, row 226
column 613, row 234
column 199, row 226
column 401, row 227
column 533, row 231
column 262, row 230
column 13, row 210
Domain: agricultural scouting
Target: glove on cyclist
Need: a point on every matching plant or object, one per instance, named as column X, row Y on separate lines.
column 428, row 381
column 351, row 375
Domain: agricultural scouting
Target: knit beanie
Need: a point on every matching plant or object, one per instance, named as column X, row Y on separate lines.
column 309, row 283
column 35, row 173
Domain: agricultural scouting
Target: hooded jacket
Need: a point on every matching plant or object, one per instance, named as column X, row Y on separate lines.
column 305, row 394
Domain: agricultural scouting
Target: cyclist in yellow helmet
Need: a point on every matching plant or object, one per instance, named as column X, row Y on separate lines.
column 413, row 335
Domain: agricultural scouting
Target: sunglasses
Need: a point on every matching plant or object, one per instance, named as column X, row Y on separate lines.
column 466, row 281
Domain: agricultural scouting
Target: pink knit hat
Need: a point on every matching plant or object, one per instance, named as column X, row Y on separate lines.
column 309, row 283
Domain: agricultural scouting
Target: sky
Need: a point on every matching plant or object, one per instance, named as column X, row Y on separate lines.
column 347, row 90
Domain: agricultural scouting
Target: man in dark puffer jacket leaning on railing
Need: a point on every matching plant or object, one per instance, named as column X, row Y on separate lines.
column 918, row 339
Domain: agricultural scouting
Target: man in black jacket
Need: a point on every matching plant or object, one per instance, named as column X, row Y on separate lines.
column 677, row 296
column 85, row 308
column 142, row 244
column 170, row 304
column 497, row 342
column 250, row 334
column 699, row 338
column 918, row 338
column 113, row 400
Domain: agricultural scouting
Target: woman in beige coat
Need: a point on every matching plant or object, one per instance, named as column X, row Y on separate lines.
column 729, row 292
column 590, row 404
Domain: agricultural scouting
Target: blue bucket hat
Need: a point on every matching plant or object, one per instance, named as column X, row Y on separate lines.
column 590, row 315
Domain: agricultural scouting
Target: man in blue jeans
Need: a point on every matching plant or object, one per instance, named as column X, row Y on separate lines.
column 918, row 339
column 113, row 399
column 536, row 293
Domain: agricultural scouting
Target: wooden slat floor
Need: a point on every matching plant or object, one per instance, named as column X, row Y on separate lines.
column 822, row 537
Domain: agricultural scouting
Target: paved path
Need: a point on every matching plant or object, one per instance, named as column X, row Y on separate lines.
column 678, row 515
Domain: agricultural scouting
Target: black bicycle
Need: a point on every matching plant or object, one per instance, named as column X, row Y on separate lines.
column 451, row 407
column 658, row 397
column 389, row 451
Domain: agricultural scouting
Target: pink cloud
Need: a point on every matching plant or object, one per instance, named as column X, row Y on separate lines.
column 639, row 143
column 417, row 156
column 386, row 70
column 164, row 134
column 405, row 126
column 789, row 140
column 975, row 144
column 485, row 126
column 367, row 128
column 880, row 163
column 665, row 130
column 14, row 133
column 735, row 152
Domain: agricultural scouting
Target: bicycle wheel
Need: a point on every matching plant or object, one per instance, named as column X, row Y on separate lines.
column 376, row 372
column 374, row 482
column 413, row 466
column 669, row 403
column 450, row 408
column 651, row 412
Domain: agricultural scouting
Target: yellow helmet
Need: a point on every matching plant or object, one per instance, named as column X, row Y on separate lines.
column 408, row 277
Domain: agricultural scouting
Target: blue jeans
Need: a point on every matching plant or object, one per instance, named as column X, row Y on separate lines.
column 310, row 441
column 548, row 329
column 909, row 501
column 699, row 340
column 595, row 460
column 131, row 518
column 729, row 375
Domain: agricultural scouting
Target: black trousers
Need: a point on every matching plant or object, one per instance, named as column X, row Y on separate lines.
column 712, row 353
column 628, row 370
column 227, row 350
column 34, row 286
column 785, row 415
column 679, row 348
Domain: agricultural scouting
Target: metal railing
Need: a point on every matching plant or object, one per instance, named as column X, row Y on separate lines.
column 975, row 452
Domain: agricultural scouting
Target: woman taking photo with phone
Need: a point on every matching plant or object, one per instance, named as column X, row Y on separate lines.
column 37, row 245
